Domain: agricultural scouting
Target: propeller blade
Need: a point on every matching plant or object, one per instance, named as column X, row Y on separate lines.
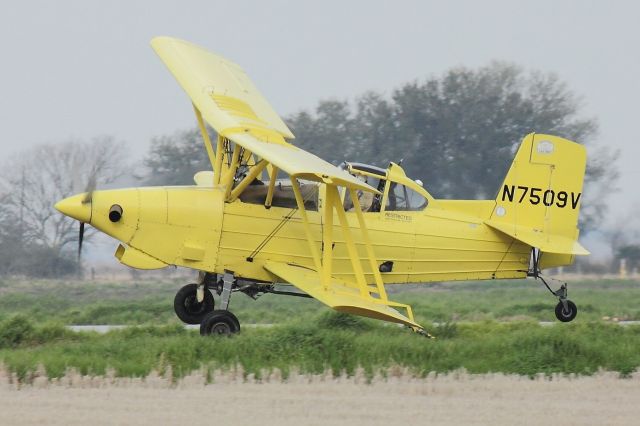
column 80, row 238
column 91, row 186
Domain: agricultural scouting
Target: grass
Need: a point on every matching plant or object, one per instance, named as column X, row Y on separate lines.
column 78, row 302
column 485, row 327
column 331, row 341
column 523, row 299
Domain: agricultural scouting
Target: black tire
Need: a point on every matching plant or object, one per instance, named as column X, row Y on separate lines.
column 219, row 323
column 187, row 307
column 566, row 315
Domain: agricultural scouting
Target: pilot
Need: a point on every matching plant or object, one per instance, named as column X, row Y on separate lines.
column 364, row 197
column 366, row 200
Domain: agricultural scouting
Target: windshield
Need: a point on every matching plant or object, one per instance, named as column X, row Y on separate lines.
column 401, row 198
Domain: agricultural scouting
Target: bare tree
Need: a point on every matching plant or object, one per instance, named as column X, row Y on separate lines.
column 36, row 179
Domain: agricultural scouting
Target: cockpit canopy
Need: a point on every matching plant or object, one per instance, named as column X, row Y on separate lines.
column 398, row 192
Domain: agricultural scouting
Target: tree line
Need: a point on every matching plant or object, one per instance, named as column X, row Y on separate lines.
column 456, row 132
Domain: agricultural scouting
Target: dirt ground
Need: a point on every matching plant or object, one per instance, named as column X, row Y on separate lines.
column 458, row 398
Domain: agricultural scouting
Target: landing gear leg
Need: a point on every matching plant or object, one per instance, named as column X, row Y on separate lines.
column 565, row 310
column 202, row 286
column 222, row 321
column 227, row 283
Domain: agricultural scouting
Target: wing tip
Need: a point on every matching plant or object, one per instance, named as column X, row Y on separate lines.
column 160, row 40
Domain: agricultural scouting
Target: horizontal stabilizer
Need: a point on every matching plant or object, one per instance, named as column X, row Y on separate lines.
column 548, row 243
column 340, row 295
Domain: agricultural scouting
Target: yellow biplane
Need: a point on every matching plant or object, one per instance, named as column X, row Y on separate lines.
column 337, row 234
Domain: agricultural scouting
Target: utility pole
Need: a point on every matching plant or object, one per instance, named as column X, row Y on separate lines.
column 22, row 185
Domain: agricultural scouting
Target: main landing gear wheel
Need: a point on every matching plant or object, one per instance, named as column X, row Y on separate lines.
column 219, row 323
column 568, row 313
column 187, row 307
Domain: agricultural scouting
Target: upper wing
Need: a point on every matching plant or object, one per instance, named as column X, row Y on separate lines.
column 232, row 105
column 298, row 163
column 218, row 87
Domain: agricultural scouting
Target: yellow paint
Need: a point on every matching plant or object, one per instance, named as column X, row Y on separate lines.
column 544, row 167
column 330, row 253
column 217, row 166
column 367, row 243
column 204, row 75
column 137, row 259
column 193, row 251
column 273, row 175
column 340, row 296
column 205, row 136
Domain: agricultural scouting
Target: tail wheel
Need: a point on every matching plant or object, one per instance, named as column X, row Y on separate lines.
column 219, row 323
column 187, row 307
column 566, row 314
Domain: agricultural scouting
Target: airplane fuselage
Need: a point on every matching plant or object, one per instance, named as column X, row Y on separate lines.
column 194, row 227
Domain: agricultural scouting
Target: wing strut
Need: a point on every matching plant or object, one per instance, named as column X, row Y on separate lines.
column 307, row 226
column 250, row 177
column 217, row 166
column 324, row 263
column 367, row 243
column 273, row 175
column 207, row 142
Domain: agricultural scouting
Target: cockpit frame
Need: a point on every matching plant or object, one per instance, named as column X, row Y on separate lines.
column 388, row 179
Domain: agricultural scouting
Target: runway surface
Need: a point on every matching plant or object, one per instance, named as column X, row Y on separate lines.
column 457, row 399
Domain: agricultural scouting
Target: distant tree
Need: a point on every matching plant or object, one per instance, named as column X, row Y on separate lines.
column 458, row 132
column 10, row 238
column 631, row 253
column 174, row 159
column 623, row 237
column 34, row 180
column 23, row 256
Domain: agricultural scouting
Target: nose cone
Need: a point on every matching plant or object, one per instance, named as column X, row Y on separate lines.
column 75, row 208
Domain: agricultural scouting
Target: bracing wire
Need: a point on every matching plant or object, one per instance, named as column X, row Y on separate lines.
column 277, row 228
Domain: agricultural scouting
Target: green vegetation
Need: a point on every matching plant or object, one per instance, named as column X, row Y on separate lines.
column 312, row 338
column 329, row 341
column 521, row 300
column 151, row 302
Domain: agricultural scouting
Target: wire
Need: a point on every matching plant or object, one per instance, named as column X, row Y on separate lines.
column 277, row 228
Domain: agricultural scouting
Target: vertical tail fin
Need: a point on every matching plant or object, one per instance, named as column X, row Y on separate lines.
column 539, row 201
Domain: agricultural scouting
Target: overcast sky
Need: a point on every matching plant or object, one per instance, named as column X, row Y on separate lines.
column 85, row 68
